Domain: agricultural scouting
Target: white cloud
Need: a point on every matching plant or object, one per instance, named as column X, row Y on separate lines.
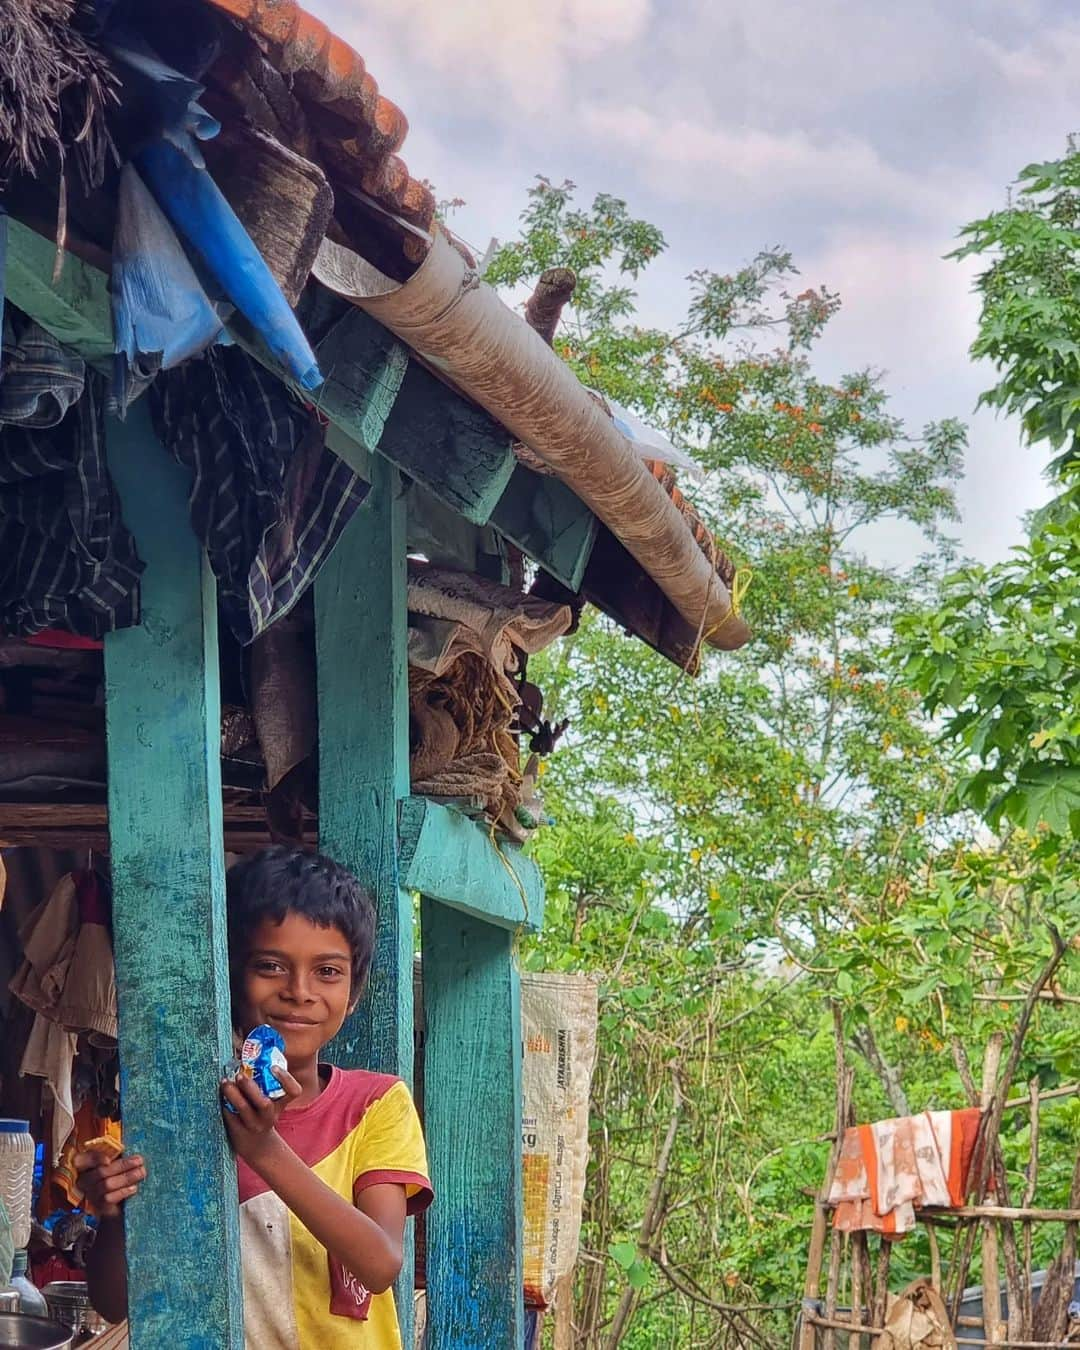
column 725, row 165
column 496, row 55
column 860, row 135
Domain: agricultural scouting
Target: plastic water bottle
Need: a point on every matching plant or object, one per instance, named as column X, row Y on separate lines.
column 31, row 1299
column 17, row 1177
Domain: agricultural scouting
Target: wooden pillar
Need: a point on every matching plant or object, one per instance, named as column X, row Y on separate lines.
column 362, row 637
column 472, row 1100
column 164, row 747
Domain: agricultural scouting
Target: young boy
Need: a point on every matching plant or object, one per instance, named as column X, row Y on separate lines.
column 329, row 1173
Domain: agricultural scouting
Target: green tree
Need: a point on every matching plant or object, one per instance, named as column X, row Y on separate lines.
column 723, row 846
column 997, row 658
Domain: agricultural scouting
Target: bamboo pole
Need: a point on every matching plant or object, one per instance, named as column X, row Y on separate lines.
column 856, row 1288
column 845, row 1078
column 1027, row 1325
column 881, row 1283
column 831, row 1283
column 991, row 1279
column 873, row 1329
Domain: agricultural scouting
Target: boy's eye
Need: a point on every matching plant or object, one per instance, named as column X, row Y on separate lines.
column 267, row 967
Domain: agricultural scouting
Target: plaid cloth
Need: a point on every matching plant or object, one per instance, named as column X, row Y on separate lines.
column 268, row 499
column 66, row 560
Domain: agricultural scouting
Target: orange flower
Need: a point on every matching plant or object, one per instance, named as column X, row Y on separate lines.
column 725, row 407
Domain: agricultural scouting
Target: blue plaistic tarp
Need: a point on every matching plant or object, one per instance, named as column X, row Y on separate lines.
column 171, row 165
column 161, row 313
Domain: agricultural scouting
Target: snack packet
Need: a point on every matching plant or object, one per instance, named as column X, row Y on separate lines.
column 262, row 1052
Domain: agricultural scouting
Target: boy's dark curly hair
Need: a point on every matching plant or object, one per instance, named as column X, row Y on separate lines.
column 283, row 880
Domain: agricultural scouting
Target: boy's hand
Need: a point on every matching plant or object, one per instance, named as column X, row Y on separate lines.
column 252, row 1129
column 106, row 1185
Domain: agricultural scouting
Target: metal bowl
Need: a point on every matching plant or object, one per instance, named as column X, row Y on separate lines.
column 19, row 1332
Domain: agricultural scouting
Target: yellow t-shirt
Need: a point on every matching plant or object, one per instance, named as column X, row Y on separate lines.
column 362, row 1130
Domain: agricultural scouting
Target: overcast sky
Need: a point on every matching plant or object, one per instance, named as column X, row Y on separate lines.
column 859, row 135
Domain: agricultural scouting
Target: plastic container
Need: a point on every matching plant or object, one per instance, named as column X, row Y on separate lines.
column 31, row 1299
column 17, row 1176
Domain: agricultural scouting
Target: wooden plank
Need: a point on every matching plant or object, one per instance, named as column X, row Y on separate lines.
column 164, row 732
column 472, row 1106
column 361, row 645
column 548, row 522
column 76, row 310
column 364, row 366
column 451, row 858
column 432, row 434
column 456, row 449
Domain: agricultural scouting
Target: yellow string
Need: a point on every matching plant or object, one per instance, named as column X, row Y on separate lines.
column 516, row 880
column 740, row 584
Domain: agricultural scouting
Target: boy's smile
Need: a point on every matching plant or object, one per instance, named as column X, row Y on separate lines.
column 297, row 977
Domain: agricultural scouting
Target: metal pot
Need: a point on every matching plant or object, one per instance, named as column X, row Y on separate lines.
column 69, row 1303
column 19, row 1332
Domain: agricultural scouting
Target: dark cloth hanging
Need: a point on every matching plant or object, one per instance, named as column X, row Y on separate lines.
column 268, row 499
column 66, row 560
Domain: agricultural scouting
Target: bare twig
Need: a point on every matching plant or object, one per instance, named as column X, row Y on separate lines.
column 650, row 1218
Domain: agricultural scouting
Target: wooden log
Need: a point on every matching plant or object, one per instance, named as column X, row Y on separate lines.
column 361, row 648
column 472, row 1101
column 172, row 970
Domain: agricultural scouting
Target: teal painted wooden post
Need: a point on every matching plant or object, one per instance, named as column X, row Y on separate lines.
column 362, row 638
column 472, row 1116
column 165, row 829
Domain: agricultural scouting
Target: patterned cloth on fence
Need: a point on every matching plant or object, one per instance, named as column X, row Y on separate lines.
column 268, row 499
column 887, row 1171
column 66, row 560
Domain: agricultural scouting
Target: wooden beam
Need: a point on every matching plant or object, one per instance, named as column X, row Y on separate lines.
column 364, row 366
column 164, row 737
column 472, row 1117
column 361, row 644
column 457, row 450
column 77, row 310
column 549, row 523
column 453, row 859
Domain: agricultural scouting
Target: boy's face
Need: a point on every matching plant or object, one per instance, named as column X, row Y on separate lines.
column 297, row 978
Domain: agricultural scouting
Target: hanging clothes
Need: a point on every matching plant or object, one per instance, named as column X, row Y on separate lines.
column 268, row 499
column 68, row 978
column 888, row 1170
column 66, row 560
column 50, row 1055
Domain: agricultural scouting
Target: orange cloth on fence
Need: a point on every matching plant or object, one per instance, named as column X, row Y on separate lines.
column 886, row 1171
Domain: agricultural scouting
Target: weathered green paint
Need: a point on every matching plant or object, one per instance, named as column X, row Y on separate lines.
column 76, row 310
column 165, row 829
column 453, row 447
column 548, row 522
column 362, row 639
column 364, row 366
column 451, row 858
column 472, row 1116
